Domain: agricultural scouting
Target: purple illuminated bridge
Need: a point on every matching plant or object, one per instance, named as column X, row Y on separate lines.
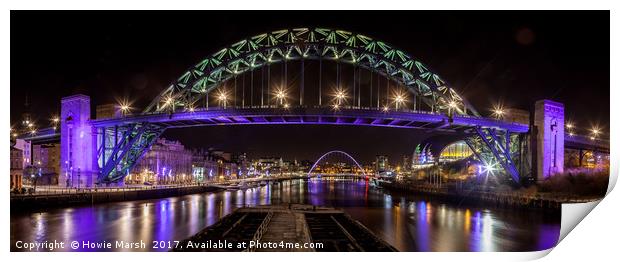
column 305, row 76
column 314, row 116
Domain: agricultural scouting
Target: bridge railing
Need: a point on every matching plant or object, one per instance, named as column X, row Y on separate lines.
column 45, row 191
column 212, row 108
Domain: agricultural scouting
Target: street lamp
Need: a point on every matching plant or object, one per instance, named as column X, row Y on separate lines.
column 498, row 112
column 169, row 101
column 595, row 132
column 340, row 96
column 71, row 170
column 191, row 108
column 399, row 99
column 124, row 105
column 222, row 98
column 124, row 109
column 280, row 95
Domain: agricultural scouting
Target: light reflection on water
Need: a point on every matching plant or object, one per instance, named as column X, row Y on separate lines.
column 409, row 223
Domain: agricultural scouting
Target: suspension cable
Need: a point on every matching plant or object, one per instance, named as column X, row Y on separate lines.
column 320, row 77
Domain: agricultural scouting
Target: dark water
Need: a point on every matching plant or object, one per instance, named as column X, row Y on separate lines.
column 407, row 222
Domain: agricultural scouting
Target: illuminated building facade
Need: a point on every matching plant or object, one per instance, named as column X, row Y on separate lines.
column 166, row 162
column 26, row 149
column 46, row 157
column 381, row 163
column 269, row 165
column 455, row 151
column 215, row 165
column 17, row 168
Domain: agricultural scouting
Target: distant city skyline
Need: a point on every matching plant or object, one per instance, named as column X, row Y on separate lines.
column 358, row 140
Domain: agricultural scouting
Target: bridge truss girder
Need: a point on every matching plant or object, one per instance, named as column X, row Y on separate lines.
column 121, row 146
column 310, row 43
column 500, row 148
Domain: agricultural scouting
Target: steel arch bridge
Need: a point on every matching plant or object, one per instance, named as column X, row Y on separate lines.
column 121, row 141
column 310, row 43
column 333, row 152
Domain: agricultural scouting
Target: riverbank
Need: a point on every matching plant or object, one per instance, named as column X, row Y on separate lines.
column 486, row 198
column 62, row 197
column 88, row 197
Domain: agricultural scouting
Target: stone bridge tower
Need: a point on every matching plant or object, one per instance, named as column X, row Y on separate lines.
column 549, row 123
column 78, row 156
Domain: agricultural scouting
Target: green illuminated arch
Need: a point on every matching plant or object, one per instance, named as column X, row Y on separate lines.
column 312, row 43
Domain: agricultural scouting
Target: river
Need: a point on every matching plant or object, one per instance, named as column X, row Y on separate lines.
column 407, row 221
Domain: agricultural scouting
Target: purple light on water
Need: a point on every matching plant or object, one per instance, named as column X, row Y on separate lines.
column 423, row 228
column 549, row 236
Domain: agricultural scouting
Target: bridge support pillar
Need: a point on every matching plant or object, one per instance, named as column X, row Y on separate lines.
column 549, row 123
column 78, row 157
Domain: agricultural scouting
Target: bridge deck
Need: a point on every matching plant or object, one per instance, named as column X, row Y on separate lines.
column 361, row 116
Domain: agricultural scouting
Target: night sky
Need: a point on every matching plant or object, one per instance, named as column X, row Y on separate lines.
column 510, row 57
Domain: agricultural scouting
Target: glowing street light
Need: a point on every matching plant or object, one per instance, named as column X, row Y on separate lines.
column 595, row 132
column 336, row 107
column 222, row 98
column 498, row 112
column 488, row 168
column 280, row 95
column 125, row 107
column 169, row 101
column 340, row 96
column 399, row 100
column 452, row 106
column 569, row 125
column 385, row 108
